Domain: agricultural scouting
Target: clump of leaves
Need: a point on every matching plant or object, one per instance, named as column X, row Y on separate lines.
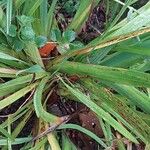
column 112, row 73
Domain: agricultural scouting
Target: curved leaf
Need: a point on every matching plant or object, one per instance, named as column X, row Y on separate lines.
column 40, row 112
column 87, row 132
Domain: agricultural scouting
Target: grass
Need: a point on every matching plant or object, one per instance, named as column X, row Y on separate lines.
column 112, row 70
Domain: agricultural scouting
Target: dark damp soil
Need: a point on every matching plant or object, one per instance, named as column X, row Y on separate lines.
column 94, row 27
column 85, row 118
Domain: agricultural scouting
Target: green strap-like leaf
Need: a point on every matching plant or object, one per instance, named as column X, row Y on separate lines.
column 14, row 97
column 11, row 58
column 117, row 75
column 17, row 83
column 8, row 14
column 141, row 48
column 134, row 95
column 34, row 7
column 122, row 60
column 16, row 141
column 50, row 17
column 81, row 15
column 21, row 124
column 139, row 127
column 100, row 112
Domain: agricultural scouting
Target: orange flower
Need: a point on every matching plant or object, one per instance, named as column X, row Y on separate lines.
column 46, row 50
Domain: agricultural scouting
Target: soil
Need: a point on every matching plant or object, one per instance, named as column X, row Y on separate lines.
column 84, row 118
column 60, row 107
